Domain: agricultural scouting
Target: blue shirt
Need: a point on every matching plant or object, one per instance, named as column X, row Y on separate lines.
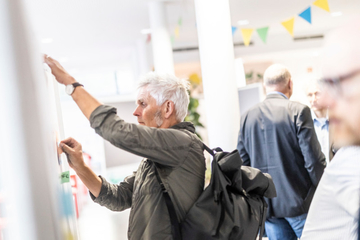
column 321, row 126
column 275, row 92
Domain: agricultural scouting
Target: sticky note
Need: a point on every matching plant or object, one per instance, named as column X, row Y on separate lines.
column 65, row 177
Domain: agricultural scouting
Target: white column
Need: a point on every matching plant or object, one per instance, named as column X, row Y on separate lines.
column 142, row 57
column 218, row 72
column 160, row 38
column 27, row 169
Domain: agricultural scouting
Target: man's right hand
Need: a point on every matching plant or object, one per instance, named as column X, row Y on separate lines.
column 74, row 151
column 61, row 75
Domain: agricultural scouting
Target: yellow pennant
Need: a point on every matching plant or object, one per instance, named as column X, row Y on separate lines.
column 246, row 34
column 323, row 4
column 177, row 31
column 289, row 25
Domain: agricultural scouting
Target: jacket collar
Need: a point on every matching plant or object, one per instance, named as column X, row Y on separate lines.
column 278, row 96
column 184, row 125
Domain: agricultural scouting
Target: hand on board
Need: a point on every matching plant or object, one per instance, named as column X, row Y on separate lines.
column 61, row 75
column 74, row 153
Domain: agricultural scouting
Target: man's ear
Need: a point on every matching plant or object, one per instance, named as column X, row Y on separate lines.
column 169, row 109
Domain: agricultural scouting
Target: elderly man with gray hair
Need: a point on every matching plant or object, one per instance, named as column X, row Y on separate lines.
column 169, row 146
column 277, row 136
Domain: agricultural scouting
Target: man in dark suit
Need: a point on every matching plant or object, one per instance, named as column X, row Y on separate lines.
column 277, row 136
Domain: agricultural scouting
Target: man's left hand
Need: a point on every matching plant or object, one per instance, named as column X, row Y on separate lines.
column 61, row 75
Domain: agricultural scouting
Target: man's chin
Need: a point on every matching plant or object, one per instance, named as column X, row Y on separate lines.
column 346, row 138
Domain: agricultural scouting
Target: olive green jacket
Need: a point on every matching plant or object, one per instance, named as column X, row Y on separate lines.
column 178, row 155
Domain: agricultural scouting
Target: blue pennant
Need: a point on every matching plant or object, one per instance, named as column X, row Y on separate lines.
column 306, row 14
column 233, row 29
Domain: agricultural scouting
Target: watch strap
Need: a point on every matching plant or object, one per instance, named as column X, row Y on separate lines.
column 77, row 84
column 70, row 88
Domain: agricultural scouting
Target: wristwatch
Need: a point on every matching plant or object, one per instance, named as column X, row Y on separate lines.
column 69, row 89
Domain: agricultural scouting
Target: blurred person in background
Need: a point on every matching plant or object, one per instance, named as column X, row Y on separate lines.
column 278, row 137
column 169, row 146
column 334, row 212
column 319, row 114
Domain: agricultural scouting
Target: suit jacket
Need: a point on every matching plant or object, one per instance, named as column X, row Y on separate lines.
column 278, row 137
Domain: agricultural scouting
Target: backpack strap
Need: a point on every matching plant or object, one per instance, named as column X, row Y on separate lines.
column 175, row 225
column 263, row 219
column 211, row 151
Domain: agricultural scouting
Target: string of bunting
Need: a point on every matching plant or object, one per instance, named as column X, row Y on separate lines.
column 287, row 24
column 176, row 33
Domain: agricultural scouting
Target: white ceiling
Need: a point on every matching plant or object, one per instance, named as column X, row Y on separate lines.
column 96, row 33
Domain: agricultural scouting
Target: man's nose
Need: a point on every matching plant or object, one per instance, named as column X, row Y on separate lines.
column 313, row 98
column 136, row 113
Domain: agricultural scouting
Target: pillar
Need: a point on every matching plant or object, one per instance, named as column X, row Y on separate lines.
column 160, row 38
column 218, row 72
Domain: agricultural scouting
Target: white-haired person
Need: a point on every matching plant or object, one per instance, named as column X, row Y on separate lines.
column 168, row 145
column 334, row 212
column 278, row 137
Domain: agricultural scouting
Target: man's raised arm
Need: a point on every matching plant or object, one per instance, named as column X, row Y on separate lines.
column 83, row 99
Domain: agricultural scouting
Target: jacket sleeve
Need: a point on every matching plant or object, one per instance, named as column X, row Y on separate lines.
column 310, row 147
column 164, row 146
column 240, row 146
column 116, row 197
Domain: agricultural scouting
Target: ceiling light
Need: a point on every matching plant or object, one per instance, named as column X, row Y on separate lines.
column 243, row 22
column 146, row 31
column 47, row 40
column 336, row 14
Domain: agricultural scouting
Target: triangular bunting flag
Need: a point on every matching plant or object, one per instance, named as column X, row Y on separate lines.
column 180, row 21
column 246, row 34
column 177, row 31
column 306, row 14
column 233, row 30
column 323, row 4
column 289, row 25
column 263, row 33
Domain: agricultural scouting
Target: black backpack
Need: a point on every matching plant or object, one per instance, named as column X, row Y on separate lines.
column 232, row 206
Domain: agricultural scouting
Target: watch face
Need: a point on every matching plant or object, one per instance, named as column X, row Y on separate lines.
column 69, row 89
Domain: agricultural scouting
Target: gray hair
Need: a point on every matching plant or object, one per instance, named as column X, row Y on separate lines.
column 165, row 87
column 276, row 74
